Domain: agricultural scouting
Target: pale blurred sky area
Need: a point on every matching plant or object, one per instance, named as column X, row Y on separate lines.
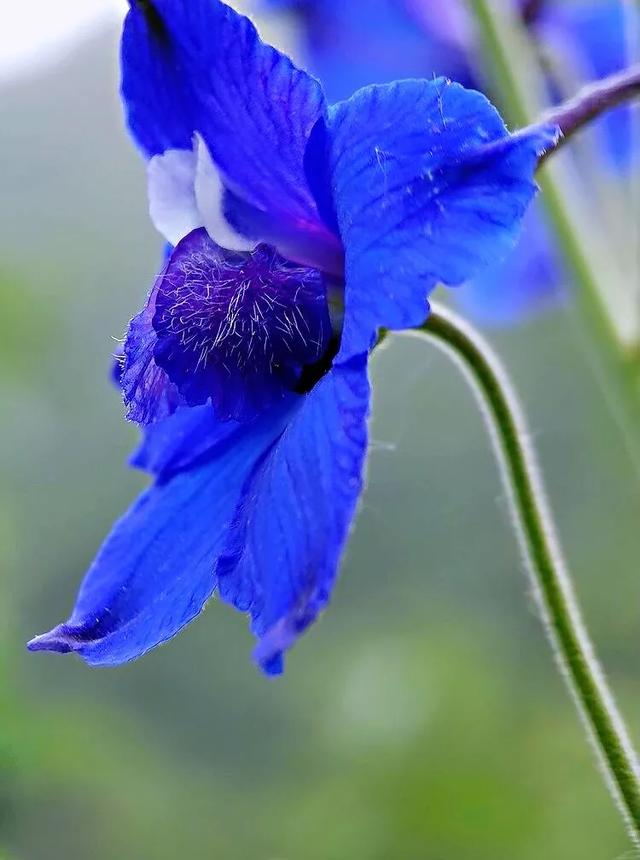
column 38, row 32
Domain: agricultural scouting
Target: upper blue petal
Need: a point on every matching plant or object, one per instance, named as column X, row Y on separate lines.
column 428, row 186
column 200, row 66
column 297, row 505
column 155, row 571
column 158, row 115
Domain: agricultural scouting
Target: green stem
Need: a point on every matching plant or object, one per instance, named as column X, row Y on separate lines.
column 518, row 81
column 534, row 524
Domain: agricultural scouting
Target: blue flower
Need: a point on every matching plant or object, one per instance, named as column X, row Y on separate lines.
column 298, row 231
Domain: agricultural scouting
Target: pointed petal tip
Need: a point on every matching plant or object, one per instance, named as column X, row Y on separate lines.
column 272, row 665
column 58, row 640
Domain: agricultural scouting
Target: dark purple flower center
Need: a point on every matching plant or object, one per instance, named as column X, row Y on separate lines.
column 237, row 327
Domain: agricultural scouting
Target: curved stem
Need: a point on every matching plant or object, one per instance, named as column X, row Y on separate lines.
column 590, row 102
column 534, row 524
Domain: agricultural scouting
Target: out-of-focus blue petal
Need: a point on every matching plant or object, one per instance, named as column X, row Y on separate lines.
column 296, row 508
column 529, row 281
column 348, row 45
column 591, row 37
column 251, row 105
column 155, row 571
column 428, row 186
column 450, row 20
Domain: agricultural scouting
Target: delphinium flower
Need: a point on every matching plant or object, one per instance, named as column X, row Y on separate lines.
column 297, row 232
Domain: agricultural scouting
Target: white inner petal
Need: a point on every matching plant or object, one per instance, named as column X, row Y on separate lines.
column 209, row 197
column 172, row 196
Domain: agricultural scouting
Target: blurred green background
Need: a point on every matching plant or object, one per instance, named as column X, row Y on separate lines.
column 423, row 718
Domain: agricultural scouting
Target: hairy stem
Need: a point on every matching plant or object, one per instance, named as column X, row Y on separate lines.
column 592, row 101
column 553, row 587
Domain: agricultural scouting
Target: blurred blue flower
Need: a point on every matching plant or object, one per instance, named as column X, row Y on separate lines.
column 592, row 39
column 298, row 230
column 395, row 39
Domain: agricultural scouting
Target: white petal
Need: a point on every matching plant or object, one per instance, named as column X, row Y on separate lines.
column 209, row 195
column 172, row 196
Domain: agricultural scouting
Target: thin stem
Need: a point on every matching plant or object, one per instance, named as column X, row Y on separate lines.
column 592, row 100
column 553, row 587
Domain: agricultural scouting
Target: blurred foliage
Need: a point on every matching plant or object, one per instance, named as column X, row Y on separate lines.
column 423, row 718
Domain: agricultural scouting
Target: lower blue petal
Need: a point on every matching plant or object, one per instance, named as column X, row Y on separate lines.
column 155, row 571
column 297, row 505
column 192, row 434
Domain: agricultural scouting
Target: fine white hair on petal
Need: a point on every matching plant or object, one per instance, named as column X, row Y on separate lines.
column 172, row 197
column 209, row 196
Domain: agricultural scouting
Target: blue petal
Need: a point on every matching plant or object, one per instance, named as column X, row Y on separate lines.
column 190, row 435
column 526, row 283
column 149, row 394
column 292, row 522
column 156, row 110
column 428, row 186
column 155, row 571
column 251, row 105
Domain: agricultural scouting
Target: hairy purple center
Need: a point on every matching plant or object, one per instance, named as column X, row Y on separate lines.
column 227, row 319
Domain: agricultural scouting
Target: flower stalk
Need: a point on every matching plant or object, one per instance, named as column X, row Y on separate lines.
column 591, row 101
column 534, row 524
